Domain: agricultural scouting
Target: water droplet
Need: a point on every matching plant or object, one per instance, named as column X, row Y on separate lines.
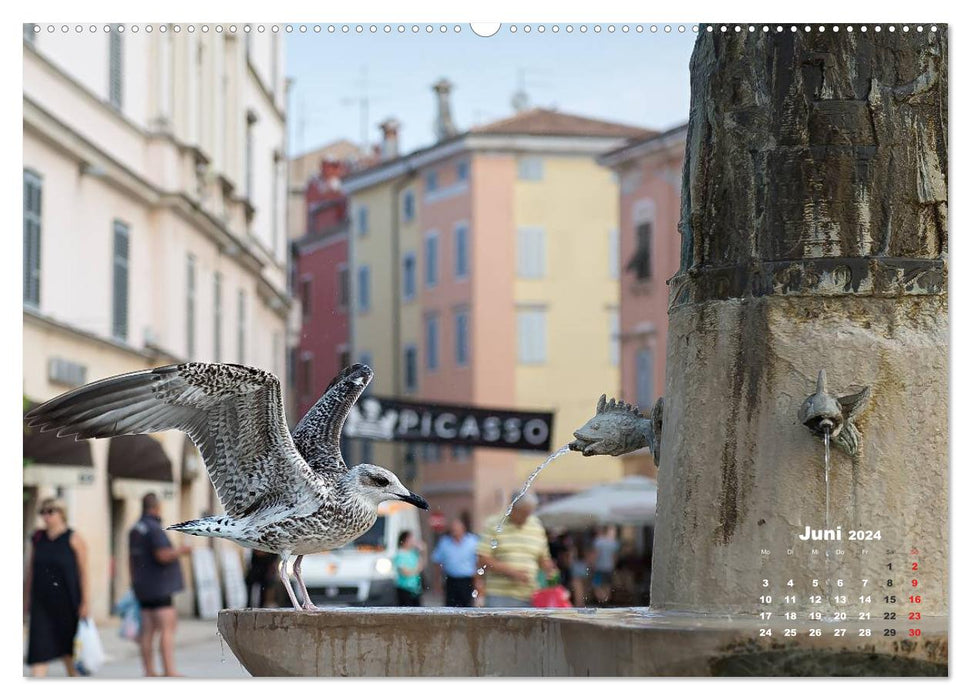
column 475, row 594
column 481, row 571
column 494, row 543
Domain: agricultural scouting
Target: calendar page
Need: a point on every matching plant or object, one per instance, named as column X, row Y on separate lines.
column 534, row 348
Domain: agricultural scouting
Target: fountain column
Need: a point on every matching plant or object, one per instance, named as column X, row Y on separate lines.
column 814, row 236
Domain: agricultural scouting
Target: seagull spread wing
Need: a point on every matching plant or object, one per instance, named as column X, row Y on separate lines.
column 318, row 434
column 233, row 414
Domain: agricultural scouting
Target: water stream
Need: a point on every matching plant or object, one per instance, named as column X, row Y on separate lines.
column 529, row 482
column 826, row 475
column 522, row 492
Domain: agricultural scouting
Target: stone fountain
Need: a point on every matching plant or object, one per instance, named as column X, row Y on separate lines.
column 814, row 235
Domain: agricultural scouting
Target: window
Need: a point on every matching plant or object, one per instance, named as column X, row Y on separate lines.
column 250, row 121
column 613, row 253
column 190, row 306
column 241, row 327
column 32, row 198
column 431, row 260
column 462, row 338
column 411, row 368
column 343, row 286
column 119, row 296
column 363, row 288
column 114, row 67
column 640, row 262
column 462, row 171
column 531, row 335
column 530, row 168
column 431, row 342
column 614, row 348
column 306, row 373
column 408, row 276
column 362, row 221
column 217, row 317
column 431, row 452
column 306, row 292
column 461, row 453
column 408, row 206
column 645, row 378
column 461, row 251
column 431, row 181
column 531, row 253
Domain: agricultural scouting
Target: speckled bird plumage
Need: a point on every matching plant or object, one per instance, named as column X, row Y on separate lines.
column 281, row 493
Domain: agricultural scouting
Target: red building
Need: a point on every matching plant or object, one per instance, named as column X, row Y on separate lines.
column 320, row 283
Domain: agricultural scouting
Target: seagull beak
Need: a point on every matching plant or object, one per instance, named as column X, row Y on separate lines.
column 415, row 500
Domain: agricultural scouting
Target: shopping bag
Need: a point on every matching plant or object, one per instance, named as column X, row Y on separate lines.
column 552, row 597
column 131, row 617
column 89, row 655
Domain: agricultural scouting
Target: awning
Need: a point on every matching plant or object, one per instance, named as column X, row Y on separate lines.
column 138, row 457
column 48, row 449
column 630, row 501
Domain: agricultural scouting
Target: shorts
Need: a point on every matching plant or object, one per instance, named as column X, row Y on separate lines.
column 601, row 578
column 156, row 603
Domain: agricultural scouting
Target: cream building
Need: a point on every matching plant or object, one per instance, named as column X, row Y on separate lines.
column 154, row 232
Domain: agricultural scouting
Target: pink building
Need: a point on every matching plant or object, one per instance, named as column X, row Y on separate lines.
column 650, row 245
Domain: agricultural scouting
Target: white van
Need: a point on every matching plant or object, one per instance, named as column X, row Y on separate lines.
column 361, row 572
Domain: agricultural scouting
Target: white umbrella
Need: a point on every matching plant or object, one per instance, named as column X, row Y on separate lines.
column 630, row 501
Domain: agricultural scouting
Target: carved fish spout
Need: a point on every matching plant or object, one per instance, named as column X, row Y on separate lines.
column 618, row 428
column 822, row 412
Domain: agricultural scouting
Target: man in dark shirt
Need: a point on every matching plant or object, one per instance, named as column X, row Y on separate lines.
column 155, row 576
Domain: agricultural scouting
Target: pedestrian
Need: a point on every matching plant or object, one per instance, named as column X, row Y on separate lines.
column 605, row 548
column 156, row 576
column 511, row 567
column 456, row 554
column 261, row 579
column 408, row 564
column 55, row 590
column 579, row 576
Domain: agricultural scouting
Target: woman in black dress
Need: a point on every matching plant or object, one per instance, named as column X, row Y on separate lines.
column 56, row 590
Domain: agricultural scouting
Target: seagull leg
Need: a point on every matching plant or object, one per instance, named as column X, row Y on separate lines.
column 307, row 603
column 282, row 571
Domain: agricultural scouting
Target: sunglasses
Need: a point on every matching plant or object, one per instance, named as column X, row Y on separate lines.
column 48, row 511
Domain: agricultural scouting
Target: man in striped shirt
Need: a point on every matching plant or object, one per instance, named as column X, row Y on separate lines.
column 512, row 566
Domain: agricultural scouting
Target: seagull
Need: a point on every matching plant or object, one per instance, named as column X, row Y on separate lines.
column 289, row 495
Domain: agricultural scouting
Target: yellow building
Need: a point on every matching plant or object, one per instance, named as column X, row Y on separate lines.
column 493, row 282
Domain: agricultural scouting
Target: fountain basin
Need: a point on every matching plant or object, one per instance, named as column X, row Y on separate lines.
column 572, row 642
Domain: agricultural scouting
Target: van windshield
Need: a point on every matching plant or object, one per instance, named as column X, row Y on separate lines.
column 373, row 537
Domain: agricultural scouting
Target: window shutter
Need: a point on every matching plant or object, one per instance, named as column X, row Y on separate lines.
column 119, row 324
column 32, row 229
column 114, row 67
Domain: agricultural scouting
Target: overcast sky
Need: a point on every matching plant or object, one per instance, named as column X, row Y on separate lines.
column 639, row 79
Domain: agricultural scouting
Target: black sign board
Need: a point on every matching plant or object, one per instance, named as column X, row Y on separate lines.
column 381, row 418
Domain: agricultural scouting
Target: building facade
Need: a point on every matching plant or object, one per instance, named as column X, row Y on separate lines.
column 154, row 232
column 649, row 170
column 483, row 274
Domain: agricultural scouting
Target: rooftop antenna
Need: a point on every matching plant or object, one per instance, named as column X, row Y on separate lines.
column 520, row 99
column 363, row 101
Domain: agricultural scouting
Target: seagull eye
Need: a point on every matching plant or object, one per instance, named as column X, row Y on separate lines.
column 379, row 481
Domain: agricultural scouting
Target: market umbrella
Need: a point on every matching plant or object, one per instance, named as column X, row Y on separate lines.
column 630, row 501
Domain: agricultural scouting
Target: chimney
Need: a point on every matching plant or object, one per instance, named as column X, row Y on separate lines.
column 444, row 126
column 331, row 172
column 389, row 138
